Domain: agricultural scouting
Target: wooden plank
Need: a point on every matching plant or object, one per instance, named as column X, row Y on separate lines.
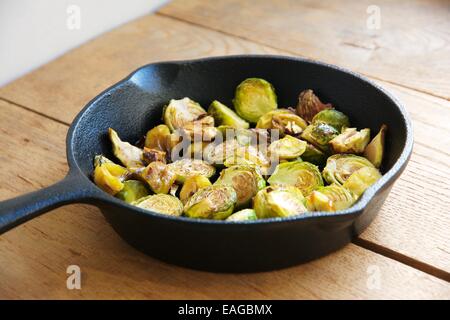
column 73, row 86
column 34, row 257
column 410, row 48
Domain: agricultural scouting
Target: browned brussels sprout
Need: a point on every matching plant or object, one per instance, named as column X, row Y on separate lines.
column 319, row 135
column 179, row 113
column 152, row 155
column 161, row 203
column 157, row 138
column 108, row 175
column 128, row 154
column 287, row 148
column 184, row 168
column 215, row 202
column 309, row 105
column 191, row 185
column 333, row 118
column 159, row 177
column 283, row 120
column 279, row 201
column 351, row 141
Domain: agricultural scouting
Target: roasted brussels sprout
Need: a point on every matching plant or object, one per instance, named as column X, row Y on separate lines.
column 157, row 138
column 284, row 120
column 159, row 177
column 132, row 190
column 191, row 185
column 314, row 155
column 303, row 175
column 179, row 113
column 246, row 181
column 161, row 203
column 332, row 117
column 309, row 105
column 225, row 116
column 319, row 135
column 287, row 148
column 202, row 129
column 151, row 155
column 254, row 97
column 108, row 175
column 361, row 180
column 279, row 201
column 350, row 141
column 243, row 215
column 128, row 154
column 375, row 149
column 330, row 198
column 184, row 168
column 341, row 166
column 214, row 202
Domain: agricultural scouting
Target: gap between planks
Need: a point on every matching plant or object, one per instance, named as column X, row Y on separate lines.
column 365, row 244
column 291, row 53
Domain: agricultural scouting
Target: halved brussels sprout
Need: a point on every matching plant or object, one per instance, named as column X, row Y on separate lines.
column 284, row 120
column 332, row 117
column 184, row 168
column 287, row 148
column 341, row 166
column 128, row 154
column 319, row 135
column 248, row 156
column 192, row 185
column 202, row 129
column 254, row 97
column 225, row 116
column 243, row 215
column 214, row 202
column 161, row 203
column 361, row 180
column 330, row 198
column 179, row 113
column 151, row 155
column 108, row 175
column 132, row 190
column 314, row 155
column 279, row 201
column 375, row 149
column 159, row 177
column 303, row 175
column 309, row 105
column 157, row 138
column 246, row 181
column 350, row 141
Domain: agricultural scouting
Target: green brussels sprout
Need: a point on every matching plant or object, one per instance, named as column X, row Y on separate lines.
column 109, row 176
column 279, row 201
column 341, row 166
column 314, row 155
column 303, row 175
column 151, row 155
column 375, row 149
column 243, row 215
column 157, row 138
column 254, row 97
column 332, row 117
column 309, row 105
column 132, row 190
column 284, row 120
column 350, row 141
column 214, row 202
column 179, row 113
column 246, row 181
column 129, row 155
column 161, row 203
column 287, row 148
column 159, row 176
column 191, row 185
column 361, row 180
column 225, row 116
column 330, row 198
column 319, row 135
column 201, row 129
column 186, row 167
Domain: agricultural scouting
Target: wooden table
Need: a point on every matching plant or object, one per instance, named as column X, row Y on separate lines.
column 405, row 253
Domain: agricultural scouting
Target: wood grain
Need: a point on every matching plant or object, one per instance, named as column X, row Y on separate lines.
column 413, row 222
column 34, row 257
column 410, row 48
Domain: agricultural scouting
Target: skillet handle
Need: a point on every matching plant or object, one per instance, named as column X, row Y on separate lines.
column 16, row 211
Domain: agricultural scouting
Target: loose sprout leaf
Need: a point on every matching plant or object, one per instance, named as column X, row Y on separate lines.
column 128, row 154
column 224, row 116
column 375, row 149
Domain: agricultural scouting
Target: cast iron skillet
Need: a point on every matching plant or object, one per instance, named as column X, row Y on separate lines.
column 134, row 105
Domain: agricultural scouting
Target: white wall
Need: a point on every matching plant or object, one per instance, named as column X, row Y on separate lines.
column 33, row 32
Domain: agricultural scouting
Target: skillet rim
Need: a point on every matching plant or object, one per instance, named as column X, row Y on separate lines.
column 387, row 179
